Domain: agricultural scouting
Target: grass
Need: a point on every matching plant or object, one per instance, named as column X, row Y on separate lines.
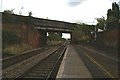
column 53, row 42
column 16, row 49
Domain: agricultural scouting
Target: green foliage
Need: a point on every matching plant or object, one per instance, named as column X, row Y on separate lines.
column 16, row 48
column 9, row 38
column 82, row 32
column 114, row 13
column 54, row 36
column 9, row 11
column 30, row 14
column 101, row 22
column 113, row 16
column 109, row 15
column 87, row 28
column 75, row 29
column 115, row 9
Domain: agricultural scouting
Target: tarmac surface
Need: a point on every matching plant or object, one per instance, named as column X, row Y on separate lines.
column 72, row 66
column 81, row 61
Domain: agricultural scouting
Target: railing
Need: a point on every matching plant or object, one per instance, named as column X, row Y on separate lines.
column 53, row 28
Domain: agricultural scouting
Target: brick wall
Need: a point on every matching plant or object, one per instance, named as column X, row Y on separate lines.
column 35, row 38
column 109, row 38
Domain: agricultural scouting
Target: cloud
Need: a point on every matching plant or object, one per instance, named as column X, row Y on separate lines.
column 74, row 3
column 119, row 3
column 114, row 0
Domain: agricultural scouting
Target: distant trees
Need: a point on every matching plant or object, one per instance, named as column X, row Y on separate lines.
column 101, row 23
column 9, row 11
column 109, row 15
column 54, row 36
column 20, row 12
column 115, row 9
column 82, row 32
column 113, row 16
column 87, row 28
column 114, row 13
column 30, row 14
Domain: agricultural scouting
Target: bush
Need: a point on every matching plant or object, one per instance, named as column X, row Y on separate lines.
column 16, row 49
column 9, row 38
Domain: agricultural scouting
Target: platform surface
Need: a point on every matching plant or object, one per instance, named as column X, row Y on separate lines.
column 72, row 65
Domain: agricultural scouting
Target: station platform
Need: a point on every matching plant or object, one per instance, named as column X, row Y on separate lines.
column 72, row 66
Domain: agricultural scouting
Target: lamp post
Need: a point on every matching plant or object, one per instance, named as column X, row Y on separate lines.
column 95, row 36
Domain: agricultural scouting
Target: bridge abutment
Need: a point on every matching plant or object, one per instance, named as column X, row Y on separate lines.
column 72, row 37
column 43, row 38
column 36, row 38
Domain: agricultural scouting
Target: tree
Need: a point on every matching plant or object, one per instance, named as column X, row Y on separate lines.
column 115, row 9
column 54, row 36
column 109, row 15
column 101, row 23
column 30, row 14
column 82, row 31
column 9, row 11
column 113, row 16
column 87, row 28
column 114, row 13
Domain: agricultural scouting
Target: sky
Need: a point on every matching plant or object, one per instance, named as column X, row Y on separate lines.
column 83, row 11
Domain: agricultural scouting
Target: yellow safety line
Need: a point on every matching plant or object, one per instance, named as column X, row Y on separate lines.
column 98, row 64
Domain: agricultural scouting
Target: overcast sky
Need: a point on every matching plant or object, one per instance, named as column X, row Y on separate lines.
column 84, row 11
column 64, row 10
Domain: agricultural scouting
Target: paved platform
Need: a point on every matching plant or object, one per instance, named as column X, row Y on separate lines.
column 72, row 66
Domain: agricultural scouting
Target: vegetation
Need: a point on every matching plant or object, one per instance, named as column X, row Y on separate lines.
column 12, row 44
column 53, row 42
column 113, row 16
column 54, row 36
column 30, row 14
column 87, row 28
column 83, row 32
column 16, row 49
column 9, row 38
column 9, row 11
column 114, row 13
column 101, row 23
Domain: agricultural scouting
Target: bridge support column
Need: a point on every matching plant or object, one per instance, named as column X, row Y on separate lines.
column 72, row 37
column 42, row 38
column 36, row 38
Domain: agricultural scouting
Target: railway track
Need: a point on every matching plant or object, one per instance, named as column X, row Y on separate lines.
column 15, row 59
column 18, row 67
column 21, row 57
column 47, row 68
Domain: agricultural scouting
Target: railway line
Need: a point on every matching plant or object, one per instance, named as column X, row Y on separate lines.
column 45, row 68
column 15, row 59
column 6, row 62
column 40, row 63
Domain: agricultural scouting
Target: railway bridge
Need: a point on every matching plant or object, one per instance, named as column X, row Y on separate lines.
column 34, row 30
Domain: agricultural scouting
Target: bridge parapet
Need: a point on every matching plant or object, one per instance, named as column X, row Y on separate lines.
column 17, row 19
column 53, row 28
